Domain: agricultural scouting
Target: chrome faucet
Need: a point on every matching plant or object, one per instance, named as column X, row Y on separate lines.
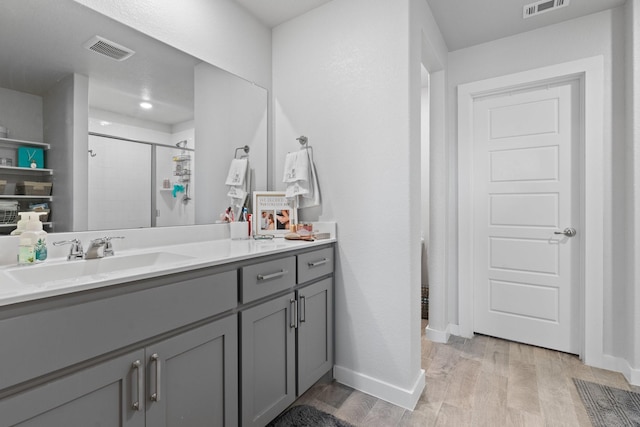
column 108, row 247
column 75, row 252
column 100, row 248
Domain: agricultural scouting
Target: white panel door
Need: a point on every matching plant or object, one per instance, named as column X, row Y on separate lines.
column 526, row 190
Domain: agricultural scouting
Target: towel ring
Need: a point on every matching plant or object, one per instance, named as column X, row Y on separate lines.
column 245, row 149
column 303, row 140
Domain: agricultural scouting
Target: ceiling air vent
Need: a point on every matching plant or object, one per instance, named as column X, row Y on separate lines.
column 543, row 6
column 108, row 48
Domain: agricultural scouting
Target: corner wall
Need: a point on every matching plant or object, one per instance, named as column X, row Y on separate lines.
column 66, row 129
column 632, row 65
column 346, row 87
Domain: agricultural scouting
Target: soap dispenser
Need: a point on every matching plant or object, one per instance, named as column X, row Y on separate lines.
column 33, row 241
column 22, row 224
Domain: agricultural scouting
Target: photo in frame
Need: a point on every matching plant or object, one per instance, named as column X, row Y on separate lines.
column 272, row 213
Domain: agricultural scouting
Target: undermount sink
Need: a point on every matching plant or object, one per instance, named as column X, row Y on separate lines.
column 70, row 270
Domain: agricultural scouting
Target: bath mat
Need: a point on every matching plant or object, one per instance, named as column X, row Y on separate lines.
column 608, row 406
column 307, row 416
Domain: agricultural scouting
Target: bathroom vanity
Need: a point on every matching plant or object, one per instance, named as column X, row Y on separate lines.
column 228, row 338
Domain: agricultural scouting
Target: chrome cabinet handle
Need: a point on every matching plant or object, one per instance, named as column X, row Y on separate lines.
column 317, row 263
column 139, row 385
column 272, row 275
column 155, row 397
column 294, row 313
column 303, row 309
column 569, row 232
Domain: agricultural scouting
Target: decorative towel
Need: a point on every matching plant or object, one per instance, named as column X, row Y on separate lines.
column 301, row 179
column 237, row 172
column 296, row 167
column 237, row 193
column 239, row 182
column 312, row 198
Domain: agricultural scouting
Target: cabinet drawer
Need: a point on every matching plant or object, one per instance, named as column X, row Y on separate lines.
column 47, row 340
column 261, row 280
column 312, row 265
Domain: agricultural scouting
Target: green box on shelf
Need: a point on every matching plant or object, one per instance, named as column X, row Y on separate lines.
column 28, row 156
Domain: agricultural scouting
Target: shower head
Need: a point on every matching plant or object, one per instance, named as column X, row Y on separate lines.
column 182, row 144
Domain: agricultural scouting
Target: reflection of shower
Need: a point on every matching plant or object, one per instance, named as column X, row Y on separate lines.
column 183, row 170
column 92, row 154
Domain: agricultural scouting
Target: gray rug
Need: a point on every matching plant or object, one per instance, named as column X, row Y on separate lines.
column 608, row 406
column 307, row 416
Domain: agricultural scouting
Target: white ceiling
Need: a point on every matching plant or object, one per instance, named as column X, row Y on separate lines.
column 463, row 23
column 274, row 12
column 41, row 43
column 37, row 48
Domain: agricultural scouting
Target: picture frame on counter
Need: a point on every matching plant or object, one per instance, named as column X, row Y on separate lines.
column 272, row 213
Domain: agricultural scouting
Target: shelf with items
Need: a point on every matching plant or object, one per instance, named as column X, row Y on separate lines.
column 18, row 142
column 15, row 170
column 22, row 155
column 182, row 172
column 27, row 197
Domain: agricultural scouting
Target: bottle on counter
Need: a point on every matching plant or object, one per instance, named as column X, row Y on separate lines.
column 22, row 224
column 33, row 239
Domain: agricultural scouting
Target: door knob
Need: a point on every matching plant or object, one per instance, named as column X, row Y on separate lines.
column 569, row 232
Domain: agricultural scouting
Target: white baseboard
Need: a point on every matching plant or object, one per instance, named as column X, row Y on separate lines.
column 435, row 335
column 442, row 336
column 621, row 365
column 380, row 389
column 454, row 329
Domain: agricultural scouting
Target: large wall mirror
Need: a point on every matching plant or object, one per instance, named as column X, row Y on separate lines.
column 115, row 164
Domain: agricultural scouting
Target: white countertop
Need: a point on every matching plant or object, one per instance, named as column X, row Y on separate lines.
column 28, row 283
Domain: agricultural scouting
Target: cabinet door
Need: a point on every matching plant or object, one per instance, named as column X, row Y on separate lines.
column 193, row 377
column 268, row 360
column 103, row 395
column 315, row 333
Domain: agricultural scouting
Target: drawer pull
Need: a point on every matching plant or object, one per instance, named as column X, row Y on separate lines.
column 293, row 317
column 312, row 264
column 303, row 309
column 139, row 385
column 272, row 275
column 155, row 397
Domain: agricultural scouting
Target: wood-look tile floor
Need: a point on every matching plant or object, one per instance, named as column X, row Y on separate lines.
column 482, row 381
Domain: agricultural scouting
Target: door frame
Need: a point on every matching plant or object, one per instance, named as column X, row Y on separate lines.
column 589, row 72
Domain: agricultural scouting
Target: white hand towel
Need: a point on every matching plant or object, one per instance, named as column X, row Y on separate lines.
column 237, row 193
column 306, row 188
column 296, row 167
column 237, row 172
column 312, row 198
column 298, row 188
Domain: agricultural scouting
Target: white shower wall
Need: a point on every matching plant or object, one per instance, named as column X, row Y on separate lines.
column 119, row 184
column 129, row 203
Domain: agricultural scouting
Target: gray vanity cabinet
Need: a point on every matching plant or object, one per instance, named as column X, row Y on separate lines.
column 314, row 333
column 286, row 340
column 268, row 360
column 189, row 379
column 180, row 367
column 103, row 395
column 193, row 377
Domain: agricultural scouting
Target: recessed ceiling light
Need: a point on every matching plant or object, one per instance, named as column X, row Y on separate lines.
column 104, row 123
column 146, row 105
